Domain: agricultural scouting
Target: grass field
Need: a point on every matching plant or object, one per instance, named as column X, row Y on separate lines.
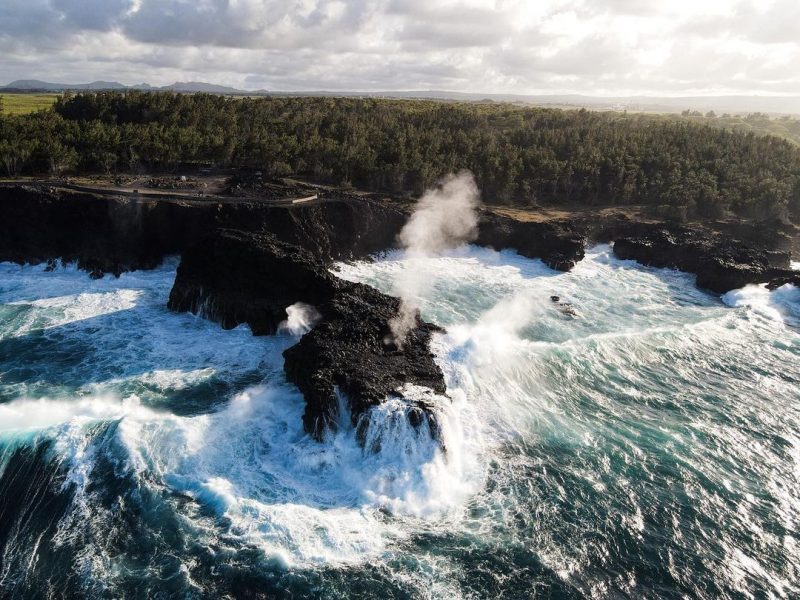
column 20, row 104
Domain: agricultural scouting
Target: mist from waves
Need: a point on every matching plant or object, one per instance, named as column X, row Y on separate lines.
column 638, row 437
column 445, row 217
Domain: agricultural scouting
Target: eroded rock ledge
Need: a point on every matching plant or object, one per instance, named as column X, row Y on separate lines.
column 236, row 277
column 559, row 244
column 721, row 261
column 107, row 233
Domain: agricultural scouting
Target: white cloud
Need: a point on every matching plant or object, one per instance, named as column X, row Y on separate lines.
column 516, row 46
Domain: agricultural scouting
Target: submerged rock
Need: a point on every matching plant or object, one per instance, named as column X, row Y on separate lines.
column 566, row 308
column 236, row 277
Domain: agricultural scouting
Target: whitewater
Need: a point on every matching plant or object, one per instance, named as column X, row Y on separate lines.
column 608, row 432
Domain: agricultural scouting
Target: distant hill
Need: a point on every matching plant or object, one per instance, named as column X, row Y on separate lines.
column 36, row 85
column 720, row 104
column 201, row 86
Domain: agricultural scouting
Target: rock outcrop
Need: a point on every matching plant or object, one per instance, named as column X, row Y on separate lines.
column 236, row 277
column 350, row 351
column 106, row 233
column 720, row 262
column 558, row 243
column 784, row 278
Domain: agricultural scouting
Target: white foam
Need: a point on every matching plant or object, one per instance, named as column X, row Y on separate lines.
column 300, row 319
column 530, row 390
column 38, row 413
column 122, row 334
column 301, row 501
column 77, row 307
column 780, row 305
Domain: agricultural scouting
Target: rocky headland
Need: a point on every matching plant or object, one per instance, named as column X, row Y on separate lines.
column 236, row 277
column 247, row 261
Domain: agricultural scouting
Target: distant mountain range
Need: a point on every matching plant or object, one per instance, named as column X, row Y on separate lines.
column 36, row 85
column 30, row 85
column 720, row 104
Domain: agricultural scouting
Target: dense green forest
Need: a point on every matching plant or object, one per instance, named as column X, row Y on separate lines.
column 519, row 155
column 758, row 123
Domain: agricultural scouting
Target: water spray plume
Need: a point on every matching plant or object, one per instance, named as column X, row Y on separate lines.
column 445, row 217
column 300, row 319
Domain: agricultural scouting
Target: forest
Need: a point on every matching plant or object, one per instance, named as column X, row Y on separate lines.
column 520, row 155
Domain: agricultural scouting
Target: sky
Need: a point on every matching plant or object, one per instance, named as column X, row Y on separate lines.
column 600, row 47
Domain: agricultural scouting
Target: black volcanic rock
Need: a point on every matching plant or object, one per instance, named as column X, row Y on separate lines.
column 721, row 263
column 558, row 244
column 238, row 277
column 339, row 226
column 349, row 351
column 787, row 276
column 112, row 233
column 102, row 234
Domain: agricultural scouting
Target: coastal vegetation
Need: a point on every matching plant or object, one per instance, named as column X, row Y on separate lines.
column 758, row 123
column 520, row 155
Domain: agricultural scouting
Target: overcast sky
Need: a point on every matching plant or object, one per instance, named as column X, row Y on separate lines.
column 659, row 47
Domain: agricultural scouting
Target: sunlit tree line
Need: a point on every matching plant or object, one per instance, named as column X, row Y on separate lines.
column 519, row 155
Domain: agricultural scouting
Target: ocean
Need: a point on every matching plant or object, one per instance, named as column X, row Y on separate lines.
column 611, row 432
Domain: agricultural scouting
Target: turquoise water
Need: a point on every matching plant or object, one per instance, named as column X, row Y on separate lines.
column 639, row 438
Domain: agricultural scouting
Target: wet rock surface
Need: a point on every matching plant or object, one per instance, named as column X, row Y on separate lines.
column 348, row 352
column 236, row 277
column 720, row 261
column 784, row 278
column 559, row 244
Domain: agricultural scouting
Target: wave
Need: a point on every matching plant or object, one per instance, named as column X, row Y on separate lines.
column 781, row 305
column 621, row 424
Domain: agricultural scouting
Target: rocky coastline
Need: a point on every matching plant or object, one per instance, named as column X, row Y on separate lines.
column 236, row 277
column 245, row 262
column 723, row 256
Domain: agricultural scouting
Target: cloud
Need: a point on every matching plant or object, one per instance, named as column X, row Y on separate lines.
column 514, row 46
column 92, row 15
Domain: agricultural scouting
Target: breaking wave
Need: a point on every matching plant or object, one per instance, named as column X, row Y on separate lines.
column 609, row 431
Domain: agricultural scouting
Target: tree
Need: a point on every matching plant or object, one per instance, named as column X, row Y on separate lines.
column 518, row 154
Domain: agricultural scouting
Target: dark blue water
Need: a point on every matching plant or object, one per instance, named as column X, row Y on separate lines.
column 646, row 447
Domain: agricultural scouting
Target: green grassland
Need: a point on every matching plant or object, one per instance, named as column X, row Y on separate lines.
column 20, row 104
